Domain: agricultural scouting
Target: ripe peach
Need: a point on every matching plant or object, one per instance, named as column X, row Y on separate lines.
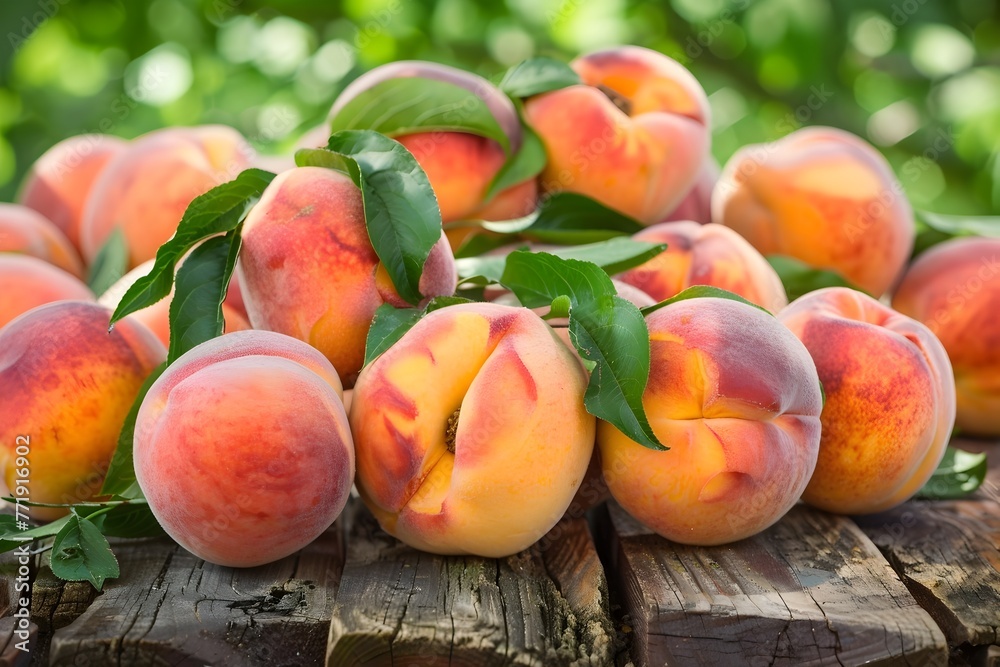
column 890, row 400
column 634, row 136
column 28, row 282
column 242, row 448
column 735, row 397
column 822, row 196
column 307, row 267
column 146, row 188
column 68, row 385
column 705, row 255
column 58, row 184
column 26, row 231
column 156, row 318
column 471, row 433
column 460, row 166
column 697, row 204
column 954, row 288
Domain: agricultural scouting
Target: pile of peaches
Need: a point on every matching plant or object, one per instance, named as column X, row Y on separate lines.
column 470, row 434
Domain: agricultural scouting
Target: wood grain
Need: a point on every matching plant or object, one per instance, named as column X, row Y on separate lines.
column 948, row 555
column 544, row 606
column 170, row 608
column 811, row 590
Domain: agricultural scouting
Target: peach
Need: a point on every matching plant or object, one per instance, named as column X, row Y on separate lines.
column 705, row 255
column 890, row 400
column 634, row 136
column 735, row 397
column 67, row 386
column 146, row 189
column 471, row 433
column 156, row 318
column 59, row 182
column 822, row 196
column 242, row 448
column 28, row 282
column 954, row 288
column 26, row 231
column 460, row 166
column 307, row 267
column 697, row 204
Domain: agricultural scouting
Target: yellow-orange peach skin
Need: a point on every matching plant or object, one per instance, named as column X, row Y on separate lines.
column 954, row 288
column 59, row 182
column 822, row 196
column 146, row 188
column 890, row 400
column 308, row 269
column 28, row 282
column 705, row 255
column 68, row 385
column 633, row 136
column 735, row 397
column 242, row 448
column 471, row 433
column 26, row 231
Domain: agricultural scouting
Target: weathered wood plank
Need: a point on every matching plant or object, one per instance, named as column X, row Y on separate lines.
column 55, row 604
column 397, row 606
column 170, row 608
column 12, row 582
column 810, row 590
column 948, row 555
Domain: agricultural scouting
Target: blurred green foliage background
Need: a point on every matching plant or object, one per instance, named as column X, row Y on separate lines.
column 920, row 79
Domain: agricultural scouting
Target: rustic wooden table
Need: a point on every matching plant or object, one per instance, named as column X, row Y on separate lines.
column 918, row 586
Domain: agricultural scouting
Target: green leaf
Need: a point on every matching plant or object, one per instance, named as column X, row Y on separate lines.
column 959, row 474
column 110, row 264
column 199, row 290
column 961, row 225
column 388, row 326
column 799, row 278
column 407, row 105
column 607, row 330
column 12, row 537
column 131, row 520
column 81, row 553
column 479, row 244
column 525, row 164
column 538, row 75
column 614, row 256
column 217, row 211
column 120, row 478
column 570, row 218
column 700, row 292
column 401, row 211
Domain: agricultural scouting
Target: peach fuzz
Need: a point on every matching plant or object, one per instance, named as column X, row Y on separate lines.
column 307, row 267
column 156, row 317
column 822, row 196
column 26, row 231
column 634, row 136
column 28, row 282
column 707, row 254
column 954, row 288
column 460, row 166
column 735, row 397
column 242, row 448
column 59, row 182
column 68, row 385
column 147, row 187
column 471, row 433
column 697, row 204
column 890, row 400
